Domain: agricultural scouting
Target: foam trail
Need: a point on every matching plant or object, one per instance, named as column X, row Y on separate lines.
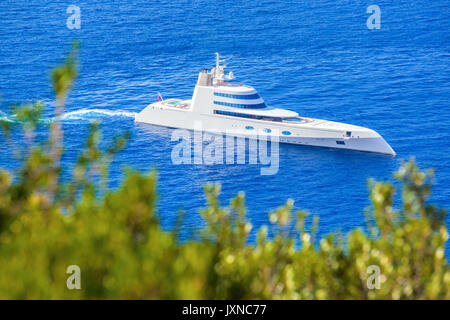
column 5, row 117
column 82, row 114
column 92, row 113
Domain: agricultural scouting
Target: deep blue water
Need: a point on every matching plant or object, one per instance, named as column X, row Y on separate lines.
column 314, row 57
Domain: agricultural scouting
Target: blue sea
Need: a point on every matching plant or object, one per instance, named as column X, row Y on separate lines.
column 315, row 57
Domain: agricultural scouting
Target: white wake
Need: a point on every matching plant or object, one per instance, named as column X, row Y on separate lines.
column 86, row 114
column 82, row 114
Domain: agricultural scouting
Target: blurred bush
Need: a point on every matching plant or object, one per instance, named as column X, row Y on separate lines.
column 115, row 238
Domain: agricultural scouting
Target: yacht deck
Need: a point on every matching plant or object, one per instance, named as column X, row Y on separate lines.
column 176, row 103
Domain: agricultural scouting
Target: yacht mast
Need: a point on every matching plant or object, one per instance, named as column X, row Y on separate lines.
column 217, row 62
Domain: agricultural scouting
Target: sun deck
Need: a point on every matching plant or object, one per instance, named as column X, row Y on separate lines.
column 177, row 103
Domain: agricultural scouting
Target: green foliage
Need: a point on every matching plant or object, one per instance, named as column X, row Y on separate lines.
column 64, row 75
column 115, row 238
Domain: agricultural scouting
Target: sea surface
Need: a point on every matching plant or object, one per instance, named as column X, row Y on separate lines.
column 315, row 57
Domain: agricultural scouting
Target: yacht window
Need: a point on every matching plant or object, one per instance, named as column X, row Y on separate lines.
column 286, row 133
column 294, row 119
column 244, row 115
column 249, row 128
column 237, row 96
column 267, row 130
column 238, row 105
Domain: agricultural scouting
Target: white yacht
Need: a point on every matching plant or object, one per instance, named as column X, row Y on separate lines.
column 222, row 105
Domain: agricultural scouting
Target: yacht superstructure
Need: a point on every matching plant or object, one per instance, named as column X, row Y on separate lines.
column 222, row 105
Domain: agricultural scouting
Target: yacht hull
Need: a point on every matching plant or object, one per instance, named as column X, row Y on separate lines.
column 311, row 132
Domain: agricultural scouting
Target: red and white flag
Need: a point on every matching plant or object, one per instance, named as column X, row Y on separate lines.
column 159, row 97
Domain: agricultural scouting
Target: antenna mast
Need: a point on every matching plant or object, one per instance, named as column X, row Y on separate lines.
column 219, row 72
column 217, row 61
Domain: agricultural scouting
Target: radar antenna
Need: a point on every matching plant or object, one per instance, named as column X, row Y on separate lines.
column 218, row 71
